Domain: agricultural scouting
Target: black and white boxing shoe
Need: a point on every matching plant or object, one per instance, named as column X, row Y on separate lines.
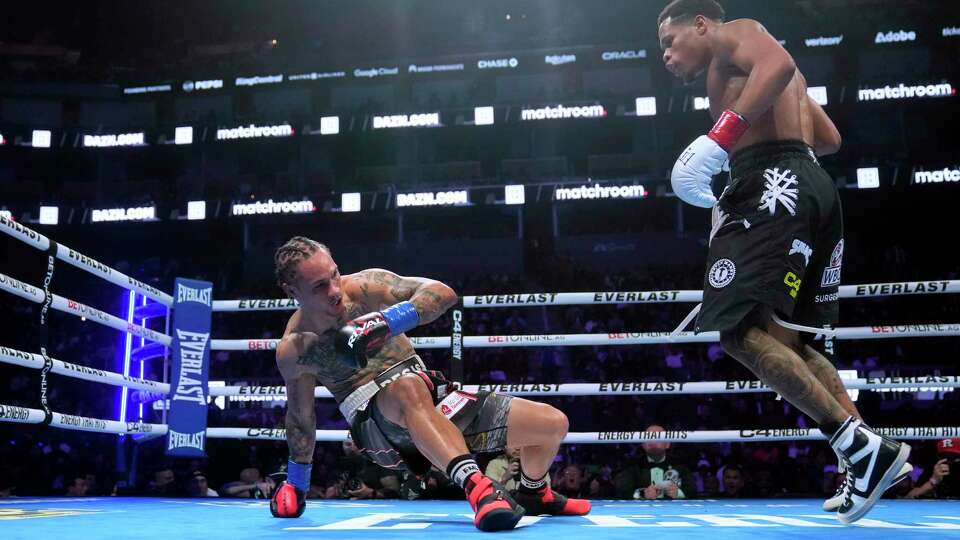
column 833, row 503
column 873, row 463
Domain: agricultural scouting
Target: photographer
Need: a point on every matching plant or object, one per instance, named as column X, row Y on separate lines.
column 505, row 468
column 358, row 478
column 252, row 485
column 941, row 484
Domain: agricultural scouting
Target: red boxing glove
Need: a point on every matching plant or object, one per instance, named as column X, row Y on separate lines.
column 728, row 129
column 288, row 501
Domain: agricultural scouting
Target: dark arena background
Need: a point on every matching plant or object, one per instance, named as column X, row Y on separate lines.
column 518, row 151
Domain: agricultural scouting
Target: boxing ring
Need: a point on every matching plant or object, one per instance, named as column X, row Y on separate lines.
column 695, row 518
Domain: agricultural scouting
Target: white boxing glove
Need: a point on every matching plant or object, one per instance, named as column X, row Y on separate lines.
column 694, row 170
column 705, row 157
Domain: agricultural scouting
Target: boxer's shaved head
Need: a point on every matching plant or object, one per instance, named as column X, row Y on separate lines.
column 291, row 254
column 681, row 11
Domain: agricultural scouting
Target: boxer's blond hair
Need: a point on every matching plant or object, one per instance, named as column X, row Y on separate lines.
column 291, row 254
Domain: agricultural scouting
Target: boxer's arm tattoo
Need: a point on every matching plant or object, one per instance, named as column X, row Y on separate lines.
column 430, row 298
column 320, row 353
column 301, row 420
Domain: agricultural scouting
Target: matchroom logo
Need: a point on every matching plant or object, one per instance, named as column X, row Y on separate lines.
column 902, row 91
column 936, row 177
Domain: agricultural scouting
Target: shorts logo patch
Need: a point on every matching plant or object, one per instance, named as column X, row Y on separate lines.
column 802, row 248
column 454, row 402
column 779, row 187
column 791, row 281
column 722, row 273
column 831, row 274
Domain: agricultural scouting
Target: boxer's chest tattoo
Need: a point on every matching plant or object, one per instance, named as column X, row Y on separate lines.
column 341, row 379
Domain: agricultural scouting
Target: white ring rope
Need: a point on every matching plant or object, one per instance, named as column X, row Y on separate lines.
column 35, row 361
column 915, row 383
column 34, row 294
column 24, row 415
column 81, row 261
column 625, row 388
column 621, row 338
column 868, row 290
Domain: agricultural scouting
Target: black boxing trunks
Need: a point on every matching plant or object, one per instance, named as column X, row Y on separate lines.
column 776, row 240
column 481, row 417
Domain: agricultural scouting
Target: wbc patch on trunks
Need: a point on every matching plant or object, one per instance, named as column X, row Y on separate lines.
column 831, row 274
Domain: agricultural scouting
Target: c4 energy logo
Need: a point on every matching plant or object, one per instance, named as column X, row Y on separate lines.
column 793, row 283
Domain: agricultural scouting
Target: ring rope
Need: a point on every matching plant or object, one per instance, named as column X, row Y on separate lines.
column 622, row 338
column 36, row 361
column 81, row 261
column 34, row 294
column 915, row 383
column 24, row 415
column 867, row 290
column 646, row 388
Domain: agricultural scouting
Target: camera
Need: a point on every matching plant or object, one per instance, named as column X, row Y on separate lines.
column 354, row 483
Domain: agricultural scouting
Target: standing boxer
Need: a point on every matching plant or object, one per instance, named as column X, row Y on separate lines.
column 776, row 244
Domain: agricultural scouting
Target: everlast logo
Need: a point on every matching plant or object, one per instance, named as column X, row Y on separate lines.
column 185, row 440
column 23, row 231
column 9, row 412
column 88, row 262
column 746, row 385
column 629, row 388
column 15, row 353
column 134, row 283
column 919, row 380
column 515, row 388
column 656, row 296
column 490, row 300
column 902, row 288
column 85, row 370
column 189, row 294
column 267, row 433
column 189, row 387
column 267, row 304
column 262, row 390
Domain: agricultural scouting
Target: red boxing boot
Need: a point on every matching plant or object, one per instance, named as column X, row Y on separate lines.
column 494, row 507
column 548, row 501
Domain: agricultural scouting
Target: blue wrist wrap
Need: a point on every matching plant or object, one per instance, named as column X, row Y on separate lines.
column 298, row 474
column 401, row 317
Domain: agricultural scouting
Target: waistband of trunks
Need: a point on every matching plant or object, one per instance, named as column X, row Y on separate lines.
column 358, row 399
column 760, row 155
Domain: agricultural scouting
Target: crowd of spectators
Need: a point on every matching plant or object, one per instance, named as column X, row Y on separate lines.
column 42, row 461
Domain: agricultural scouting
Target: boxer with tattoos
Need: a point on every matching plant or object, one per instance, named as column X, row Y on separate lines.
column 348, row 335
